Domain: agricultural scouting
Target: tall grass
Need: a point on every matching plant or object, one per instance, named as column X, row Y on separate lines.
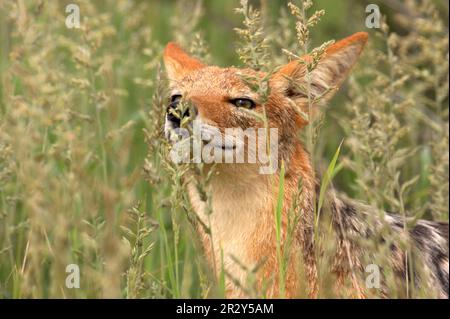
column 84, row 175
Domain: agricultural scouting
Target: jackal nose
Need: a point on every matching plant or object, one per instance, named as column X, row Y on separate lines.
column 173, row 112
column 174, row 120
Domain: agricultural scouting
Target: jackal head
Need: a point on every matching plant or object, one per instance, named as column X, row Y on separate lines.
column 222, row 97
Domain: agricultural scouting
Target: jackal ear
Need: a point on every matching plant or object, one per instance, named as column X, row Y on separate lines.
column 326, row 77
column 178, row 63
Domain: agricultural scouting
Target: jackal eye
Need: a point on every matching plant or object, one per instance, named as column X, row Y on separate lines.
column 245, row 103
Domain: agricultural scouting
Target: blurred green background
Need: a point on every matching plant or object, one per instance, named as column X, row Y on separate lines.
column 73, row 107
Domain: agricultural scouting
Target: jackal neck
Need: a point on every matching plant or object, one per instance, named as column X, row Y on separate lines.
column 241, row 218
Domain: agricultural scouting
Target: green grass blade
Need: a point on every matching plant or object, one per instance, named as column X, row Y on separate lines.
column 330, row 173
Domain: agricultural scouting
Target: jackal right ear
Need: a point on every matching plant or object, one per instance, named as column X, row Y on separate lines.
column 328, row 75
column 178, row 63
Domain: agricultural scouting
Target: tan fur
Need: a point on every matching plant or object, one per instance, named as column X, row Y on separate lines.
column 242, row 220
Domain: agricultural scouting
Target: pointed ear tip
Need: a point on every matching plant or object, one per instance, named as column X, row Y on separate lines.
column 361, row 37
column 171, row 48
column 171, row 45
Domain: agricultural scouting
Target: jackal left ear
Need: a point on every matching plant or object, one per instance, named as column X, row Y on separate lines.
column 326, row 77
column 178, row 63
